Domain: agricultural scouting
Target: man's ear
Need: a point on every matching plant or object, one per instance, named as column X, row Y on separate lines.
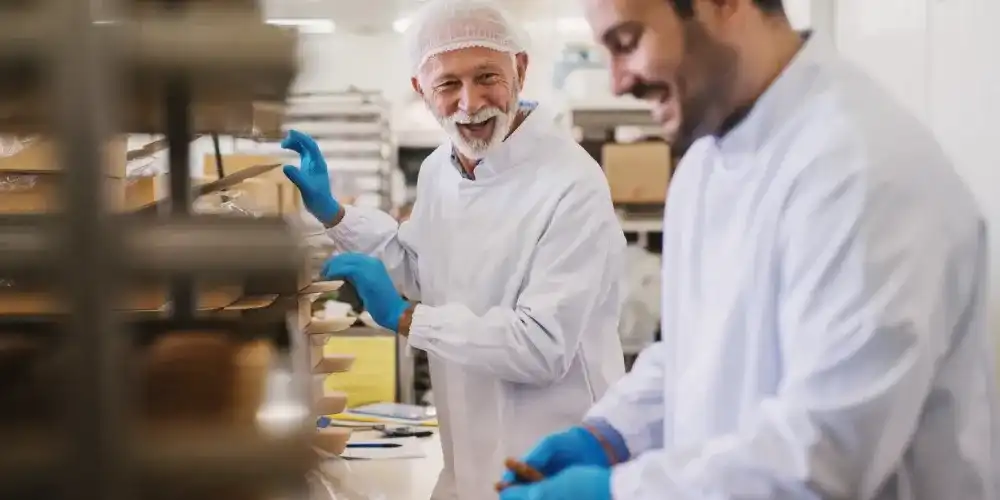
column 521, row 63
column 416, row 86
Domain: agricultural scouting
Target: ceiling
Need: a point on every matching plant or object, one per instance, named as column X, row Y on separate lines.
column 379, row 15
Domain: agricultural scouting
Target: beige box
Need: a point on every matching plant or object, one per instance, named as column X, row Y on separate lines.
column 252, row 197
column 268, row 118
column 291, row 201
column 233, row 163
column 637, row 173
column 29, row 193
column 302, row 315
column 40, row 155
column 16, row 300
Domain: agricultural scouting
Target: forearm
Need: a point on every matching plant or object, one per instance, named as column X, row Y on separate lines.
column 502, row 342
column 375, row 233
column 763, row 463
column 635, row 406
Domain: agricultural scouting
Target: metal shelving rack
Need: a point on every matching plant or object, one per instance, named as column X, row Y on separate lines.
column 179, row 58
column 352, row 129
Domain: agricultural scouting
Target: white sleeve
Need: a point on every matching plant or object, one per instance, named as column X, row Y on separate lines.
column 635, row 407
column 875, row 275
column 576, row 266
column 376, row 233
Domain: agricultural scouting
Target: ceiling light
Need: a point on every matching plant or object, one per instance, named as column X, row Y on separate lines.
column 400, row 25
column 307, row 26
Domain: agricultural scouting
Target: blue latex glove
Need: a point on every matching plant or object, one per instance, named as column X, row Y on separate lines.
column 312, row 178
column 559, row 451
column 585, row 482
column 374, row 286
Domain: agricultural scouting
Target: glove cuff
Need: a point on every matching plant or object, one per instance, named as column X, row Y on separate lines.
column 610, row 440
column 399, row 310
column 327, row 211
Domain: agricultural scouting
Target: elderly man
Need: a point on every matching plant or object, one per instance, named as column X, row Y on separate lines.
column 512, row 259
column 824, row 306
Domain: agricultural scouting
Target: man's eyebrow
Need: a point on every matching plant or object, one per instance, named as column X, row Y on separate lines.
column 490, row 65
column 444, row 77
column 609, row 35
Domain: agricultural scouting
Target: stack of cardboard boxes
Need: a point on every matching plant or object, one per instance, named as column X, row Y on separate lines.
column 273, row 194
column 30, row 183
column 187, row 376
column 30, row 175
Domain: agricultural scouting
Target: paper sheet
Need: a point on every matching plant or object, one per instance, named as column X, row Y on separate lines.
column 410, row 449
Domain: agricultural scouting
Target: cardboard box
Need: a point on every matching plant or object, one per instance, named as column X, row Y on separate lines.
column 253, row 360
column 637, row 173
column 252, row 197
column 41, row 155
column 15, row 300
column 26, row 193
column 211, row 297
column 235, row 162
column 291, row 201
column 268, row 118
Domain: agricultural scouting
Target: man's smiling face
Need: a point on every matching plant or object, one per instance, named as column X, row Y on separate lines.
column 674, row 61
column 473, row 92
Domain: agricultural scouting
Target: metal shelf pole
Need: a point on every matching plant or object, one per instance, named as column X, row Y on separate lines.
column 95, row 466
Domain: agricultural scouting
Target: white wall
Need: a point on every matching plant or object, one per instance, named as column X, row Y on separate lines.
column 336, row 61
column 378, row 61
column 340, row 60
column 938, row 57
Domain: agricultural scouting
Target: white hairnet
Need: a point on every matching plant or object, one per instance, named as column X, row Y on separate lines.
column 446, row 25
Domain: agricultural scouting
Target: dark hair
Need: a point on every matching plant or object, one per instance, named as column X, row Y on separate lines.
column 685, row 9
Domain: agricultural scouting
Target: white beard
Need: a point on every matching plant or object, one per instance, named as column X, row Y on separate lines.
column 476, row 149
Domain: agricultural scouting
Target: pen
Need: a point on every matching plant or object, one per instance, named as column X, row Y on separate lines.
column 373, row 445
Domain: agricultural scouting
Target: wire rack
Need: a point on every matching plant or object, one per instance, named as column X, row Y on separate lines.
column 352, row 129
column 180, row 68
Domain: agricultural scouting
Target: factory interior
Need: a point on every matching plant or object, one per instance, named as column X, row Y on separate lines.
column 165, row 327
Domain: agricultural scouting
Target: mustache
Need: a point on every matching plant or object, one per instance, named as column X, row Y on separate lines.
column 462, row 118
column 642, row 90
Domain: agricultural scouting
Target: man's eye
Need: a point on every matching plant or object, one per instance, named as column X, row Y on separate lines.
column 623, row 44
column 447, row 85
column 623, row 41
column 489, row 78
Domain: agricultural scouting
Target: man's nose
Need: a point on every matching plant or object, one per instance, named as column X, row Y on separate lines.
column 471, row 99
column 622, row 80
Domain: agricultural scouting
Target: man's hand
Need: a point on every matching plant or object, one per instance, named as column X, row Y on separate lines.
column 375, row 288
column 575, row 483
column 312, row 179
column 557, row 452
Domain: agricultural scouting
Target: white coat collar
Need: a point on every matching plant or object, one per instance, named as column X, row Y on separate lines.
column 783, row 98
column 519, row 146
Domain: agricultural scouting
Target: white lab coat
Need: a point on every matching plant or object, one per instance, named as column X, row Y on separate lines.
column 823, row 324
column 519, row 274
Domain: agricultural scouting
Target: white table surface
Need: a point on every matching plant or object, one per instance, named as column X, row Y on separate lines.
column 398, row 479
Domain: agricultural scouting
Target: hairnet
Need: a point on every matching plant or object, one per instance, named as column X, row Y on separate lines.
column 446, row 25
